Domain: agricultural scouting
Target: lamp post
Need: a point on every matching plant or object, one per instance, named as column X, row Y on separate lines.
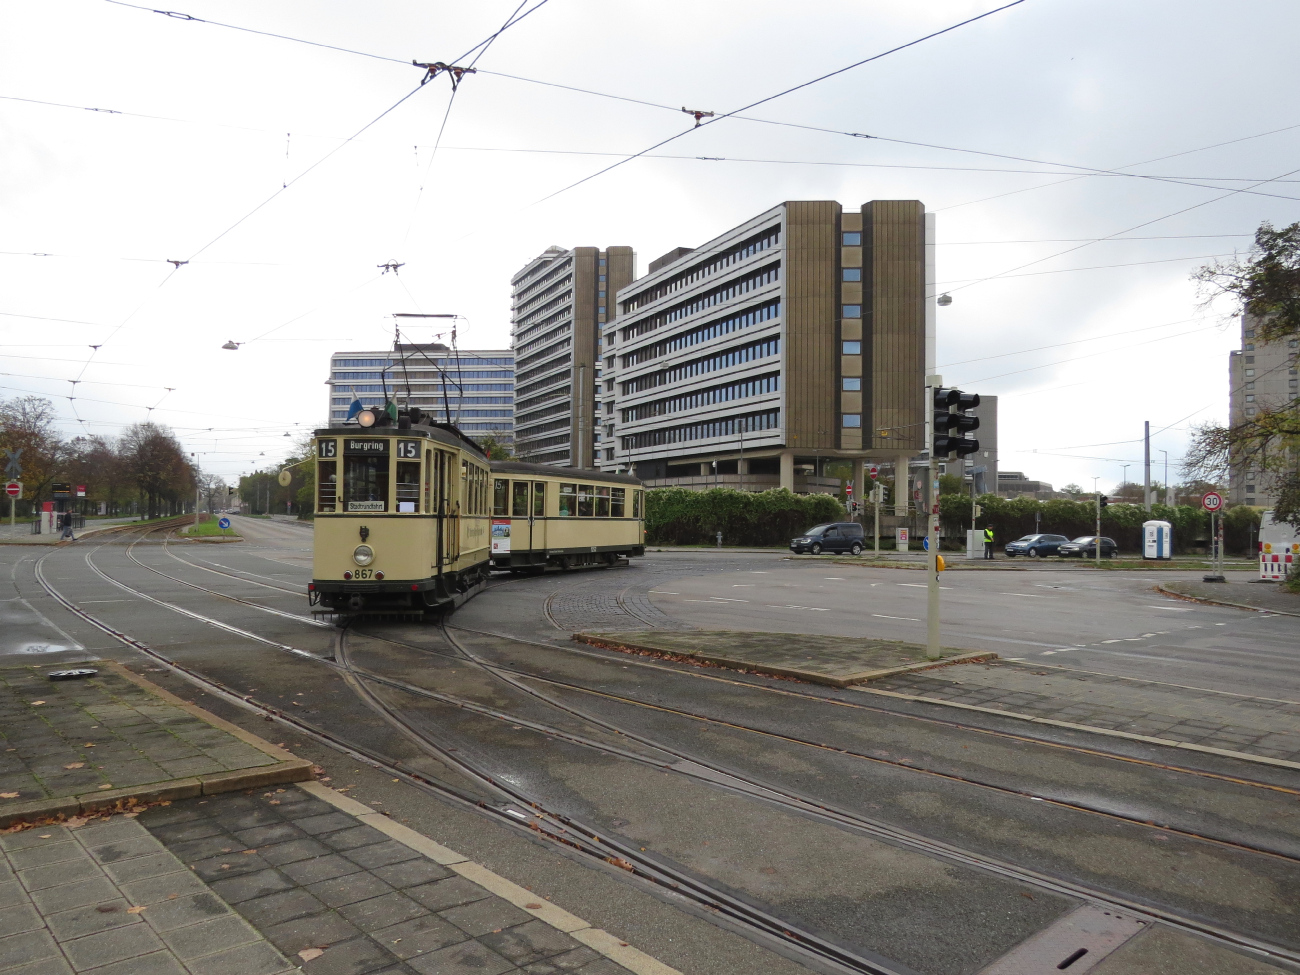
column 1123, row 481
column 1166, row 453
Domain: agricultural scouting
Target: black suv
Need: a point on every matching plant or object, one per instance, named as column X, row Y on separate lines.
column 842, row 536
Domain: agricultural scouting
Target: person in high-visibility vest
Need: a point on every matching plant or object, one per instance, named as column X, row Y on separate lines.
column 988, row 543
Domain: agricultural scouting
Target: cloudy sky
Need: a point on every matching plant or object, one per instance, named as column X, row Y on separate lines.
column 240, row 152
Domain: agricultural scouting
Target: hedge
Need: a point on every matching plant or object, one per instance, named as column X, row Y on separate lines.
column 676, row 516
column 1011, row 518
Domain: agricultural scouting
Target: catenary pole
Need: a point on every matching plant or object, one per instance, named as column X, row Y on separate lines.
column 932, row 555
column 1146, row 465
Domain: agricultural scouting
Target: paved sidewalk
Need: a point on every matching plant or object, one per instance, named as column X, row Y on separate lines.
column 1251, row 726
column 67, row 747
column 1241, row 590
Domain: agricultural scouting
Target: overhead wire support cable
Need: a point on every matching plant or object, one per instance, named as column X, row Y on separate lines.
column 780, row 94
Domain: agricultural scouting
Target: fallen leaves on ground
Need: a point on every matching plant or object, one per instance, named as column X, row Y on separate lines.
column 34, row 703
column 75, row 765
column 309, row 954
column 134, row 910
column 532, row 907
column 8, row 795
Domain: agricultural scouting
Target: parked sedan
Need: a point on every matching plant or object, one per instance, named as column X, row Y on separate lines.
column 839, row 537
column 1035, row 546
column 1085, row 546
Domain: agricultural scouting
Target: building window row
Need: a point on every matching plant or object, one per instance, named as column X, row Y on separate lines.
column 754, row 245
column 704, row 333
column 526, row 418
column 544, row 278
column 526, row 347
column 563, row 345
column 530, row 444
column 716, row 296
column 729, row 427
column 721, row 360
column 771, row 383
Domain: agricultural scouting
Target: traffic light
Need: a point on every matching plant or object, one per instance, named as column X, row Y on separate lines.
column 952, row 420
column 1103, row 501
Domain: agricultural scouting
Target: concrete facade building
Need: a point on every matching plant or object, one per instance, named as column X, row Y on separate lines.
column 1261, row 376
column 801, row 336
column 479, row 385
column 560, row 302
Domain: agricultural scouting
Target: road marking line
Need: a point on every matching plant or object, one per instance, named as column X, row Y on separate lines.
column 920, row 585
column 743, row 585
column 1030, row 595
column 728, row 599
column 1172, row 609
column 1111, row 641
column 664, row 592
column 882, row 616
column 832, row 578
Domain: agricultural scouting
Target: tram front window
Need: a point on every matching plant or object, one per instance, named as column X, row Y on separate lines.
column 365, row 484
column 408, row 485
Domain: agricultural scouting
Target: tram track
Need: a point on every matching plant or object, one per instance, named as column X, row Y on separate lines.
column 566, row 831
column 781, row 691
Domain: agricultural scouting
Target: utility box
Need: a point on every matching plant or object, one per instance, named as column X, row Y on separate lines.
column 1157, row 540
column 974, row 543
column 900, row 539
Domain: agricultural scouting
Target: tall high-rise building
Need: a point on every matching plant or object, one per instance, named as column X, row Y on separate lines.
column 475, row 386
column 1261, row 376
column 560, row 302
column 802, row 335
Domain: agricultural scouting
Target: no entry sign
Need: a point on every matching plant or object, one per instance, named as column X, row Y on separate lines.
column 14, row 489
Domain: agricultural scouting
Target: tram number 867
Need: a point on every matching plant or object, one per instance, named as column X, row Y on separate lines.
column 363, row 573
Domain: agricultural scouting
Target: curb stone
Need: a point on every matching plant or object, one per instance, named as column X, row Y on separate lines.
column 1221, row 602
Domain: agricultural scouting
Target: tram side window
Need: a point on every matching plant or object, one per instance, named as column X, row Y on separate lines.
column 499, row 487
column 327, row 478
column 428, row 479
column 602, row 502
column 616, row 496
column 519, row 502
column 584, row 501
column 408, row 485
column 636, row 504
column 568, row 500
column 365, row 483
column 539, row 499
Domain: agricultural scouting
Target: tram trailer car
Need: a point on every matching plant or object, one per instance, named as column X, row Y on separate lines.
column 402, row 516
column 564, row 517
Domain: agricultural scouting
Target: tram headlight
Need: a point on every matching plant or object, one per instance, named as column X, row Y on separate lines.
column 363, row 555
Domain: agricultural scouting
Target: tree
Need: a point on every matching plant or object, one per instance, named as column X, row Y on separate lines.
column 28, row 424
column 1266, row 286
column 952, row 484
column 495, row 449
column 156, row 460
column 1072, row 491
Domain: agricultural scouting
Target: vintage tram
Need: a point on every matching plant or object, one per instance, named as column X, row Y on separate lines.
column 411, row 516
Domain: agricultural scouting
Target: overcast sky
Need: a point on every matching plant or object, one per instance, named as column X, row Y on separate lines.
column 214, row 121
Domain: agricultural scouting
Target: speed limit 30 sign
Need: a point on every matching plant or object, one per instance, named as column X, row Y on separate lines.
column 1212, row 501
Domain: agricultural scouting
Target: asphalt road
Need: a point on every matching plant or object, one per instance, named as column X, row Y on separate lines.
column 1229, row 856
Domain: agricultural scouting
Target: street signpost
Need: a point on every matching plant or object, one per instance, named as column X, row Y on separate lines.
column 223, row 524
column 1213, row 503
column 15, row 491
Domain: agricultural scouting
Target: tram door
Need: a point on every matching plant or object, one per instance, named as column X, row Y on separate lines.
column 537, row 518
column 443, row 506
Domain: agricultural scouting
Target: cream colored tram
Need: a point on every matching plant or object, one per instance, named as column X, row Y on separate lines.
column 565, row 517
column 402, row 518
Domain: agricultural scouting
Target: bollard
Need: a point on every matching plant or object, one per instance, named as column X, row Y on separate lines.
column 719, row 539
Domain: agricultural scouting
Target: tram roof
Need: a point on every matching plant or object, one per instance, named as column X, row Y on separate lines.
column 546, row 470
column 442, row 432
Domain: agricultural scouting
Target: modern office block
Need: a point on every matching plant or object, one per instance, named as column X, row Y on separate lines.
column 803, row 335
column 1261, row 376
column 560, row 302
column 476, row 387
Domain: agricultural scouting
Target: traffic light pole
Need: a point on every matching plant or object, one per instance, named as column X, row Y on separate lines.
column 1096, row 541
column 878, row 491
column 932, row 650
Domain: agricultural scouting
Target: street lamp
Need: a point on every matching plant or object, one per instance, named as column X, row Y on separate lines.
column 232, row 345
column 1123, row 482
column 1166, row 453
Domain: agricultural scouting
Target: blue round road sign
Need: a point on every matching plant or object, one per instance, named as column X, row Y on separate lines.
column 223, row 524
column 925, row 543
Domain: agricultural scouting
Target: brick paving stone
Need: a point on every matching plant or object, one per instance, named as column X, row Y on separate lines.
column 412, row 873
column 258, row 836
column 81, row 921
column 319, row 868
column 578, row 959
column 110, row 851
column 418, row 936
column 315, row 930
column 351, row 839
column 350, row 889
column 447, row 893
column 195, row 851
column 224, row 866
column 46, row 966
column 157, row 963
column 17, row 949
column 207, row 937
column 141, row 868
column 11, row 894
column 110, row 946
column 40, row 856
column 325, row 823
column 381, row 854
column 484, row 916
column 380, row 912
column 469, row 958
column 253, row 885
column 273, row 909
column 258, row 958
column 97, row 890
column 355, row 957
column 18, row 919
column 293, row 851
column 528, row 942
column 190, row 909
column 166, row 887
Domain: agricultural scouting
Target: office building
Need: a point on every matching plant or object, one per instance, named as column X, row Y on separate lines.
column 1261, row 376
column 980, row 469
column 475, row 386
column 802, row 336
column 560, row 301
column 1015, row 484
